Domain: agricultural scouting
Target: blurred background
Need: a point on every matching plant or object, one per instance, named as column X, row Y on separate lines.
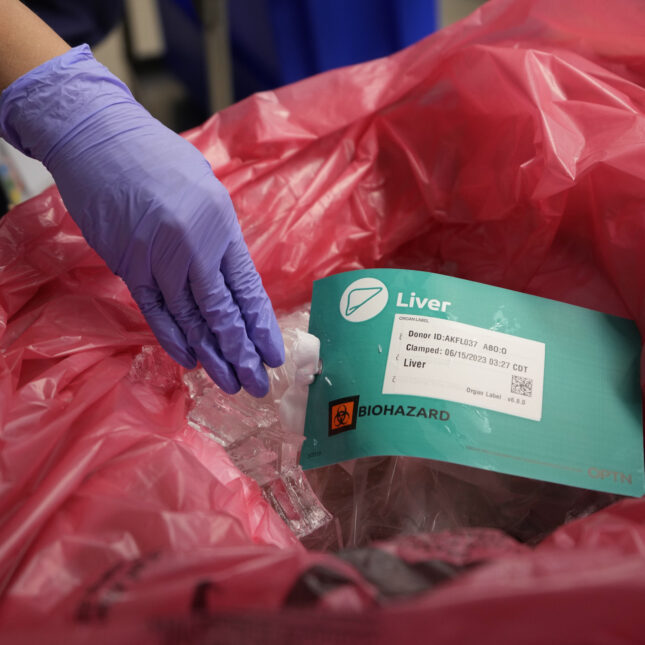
column 186, row 59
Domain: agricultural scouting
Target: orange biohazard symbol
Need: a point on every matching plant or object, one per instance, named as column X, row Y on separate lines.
column 342, row 414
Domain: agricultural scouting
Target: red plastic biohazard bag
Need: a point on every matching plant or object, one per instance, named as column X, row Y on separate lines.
column 507, row 149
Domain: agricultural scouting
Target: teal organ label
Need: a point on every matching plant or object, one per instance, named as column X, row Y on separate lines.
column 425, row 365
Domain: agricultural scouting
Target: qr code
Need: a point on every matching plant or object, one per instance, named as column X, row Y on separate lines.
column 522, row 385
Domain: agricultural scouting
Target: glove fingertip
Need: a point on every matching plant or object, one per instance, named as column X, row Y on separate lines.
column 221, row 373
column 180, row 355
column 274, row 355
column 259, row 386
column 259, row 394
column 178, row 351
column 185, row 360
column 269, row 343
column 228, row 386
column 170, row 337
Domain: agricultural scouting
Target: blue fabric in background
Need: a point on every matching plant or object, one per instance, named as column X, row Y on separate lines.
column 275, row 42
column 313, row 36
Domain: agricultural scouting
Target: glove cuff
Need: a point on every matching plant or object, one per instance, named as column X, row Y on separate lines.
column 42, row 107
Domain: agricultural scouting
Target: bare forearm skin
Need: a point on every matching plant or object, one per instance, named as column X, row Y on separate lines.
column 25, row 41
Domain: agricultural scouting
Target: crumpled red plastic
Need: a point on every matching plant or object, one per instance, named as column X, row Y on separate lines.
column 506, row 149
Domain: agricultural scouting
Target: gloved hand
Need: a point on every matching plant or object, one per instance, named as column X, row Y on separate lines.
column 147, row 201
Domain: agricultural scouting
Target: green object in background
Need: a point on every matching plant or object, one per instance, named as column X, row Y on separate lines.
column 424, row 365
column 9, row 184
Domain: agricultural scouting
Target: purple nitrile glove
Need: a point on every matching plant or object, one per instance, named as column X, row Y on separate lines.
column 147, row 201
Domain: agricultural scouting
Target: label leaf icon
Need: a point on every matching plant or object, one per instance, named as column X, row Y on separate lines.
column 358, row 297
